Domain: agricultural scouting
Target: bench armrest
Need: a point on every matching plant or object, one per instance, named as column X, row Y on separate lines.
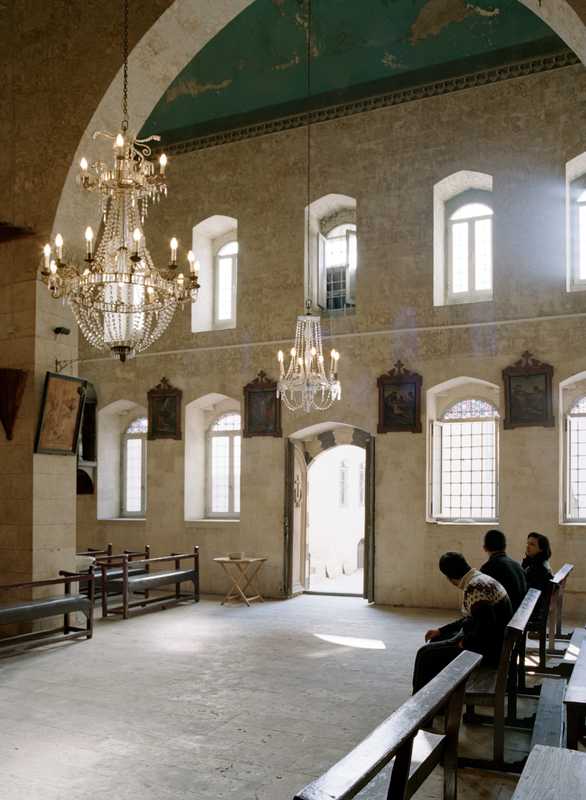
column 67, row 577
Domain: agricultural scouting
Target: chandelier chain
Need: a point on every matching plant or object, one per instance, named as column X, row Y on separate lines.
column 125, row 73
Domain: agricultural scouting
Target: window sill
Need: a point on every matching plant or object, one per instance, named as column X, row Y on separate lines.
column 121, row 519
column 573, row 523
column 463, row 522
column 212, row 522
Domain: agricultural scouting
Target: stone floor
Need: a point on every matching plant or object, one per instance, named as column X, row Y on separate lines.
column 341, row 584
column 206, row 702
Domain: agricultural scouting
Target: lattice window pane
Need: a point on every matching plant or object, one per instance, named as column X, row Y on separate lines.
column 471, row 409
column 236, row 473
column 139, row 425
column 220, row 475
column 133, row 476
column 468, row 466
column 336, row 288
column 577, row 464
column 227, row 422
column 336, row 251
column 460, row 257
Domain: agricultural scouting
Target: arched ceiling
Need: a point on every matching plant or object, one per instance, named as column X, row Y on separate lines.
column 254, row 69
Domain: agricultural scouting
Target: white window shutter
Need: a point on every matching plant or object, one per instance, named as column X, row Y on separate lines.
column 321, row 288
column 436, row 469
column 352, row 261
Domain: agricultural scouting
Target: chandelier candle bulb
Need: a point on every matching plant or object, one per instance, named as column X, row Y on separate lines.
column 173, row 245
column 89, row 242
column 162, row 163
column 191, row 261
column 47, row 256
column 137, row 236
column 59, row 246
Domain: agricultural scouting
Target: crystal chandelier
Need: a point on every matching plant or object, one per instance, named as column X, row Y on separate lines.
column 120, row 300
column 306, row 385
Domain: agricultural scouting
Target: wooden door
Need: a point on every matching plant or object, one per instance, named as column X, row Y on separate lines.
column 296, row 573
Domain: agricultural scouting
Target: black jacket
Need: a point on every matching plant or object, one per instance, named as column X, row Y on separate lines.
column 508, row 573
column 538, row 575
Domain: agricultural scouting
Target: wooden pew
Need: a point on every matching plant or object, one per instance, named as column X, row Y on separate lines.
column 575, row 702
column 146, row 580
column 400, row 738
column 491, row 687
column 552, row 773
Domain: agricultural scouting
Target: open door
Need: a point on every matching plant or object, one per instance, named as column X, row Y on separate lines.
column 369, row 539
column 296, row 572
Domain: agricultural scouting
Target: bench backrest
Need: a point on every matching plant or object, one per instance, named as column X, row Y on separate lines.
column 556, row 602
column 357, row 769
column 576, row 691
column 514, row 633
column 562, row 574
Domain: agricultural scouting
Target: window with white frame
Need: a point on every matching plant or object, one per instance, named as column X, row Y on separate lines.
column 133, row 468
column 224, row 438
column 343, row 484
column 577, row 231
column 338, row 254
column 575, row 506
column 465, row 463
column 226, row 272
column 469, row 221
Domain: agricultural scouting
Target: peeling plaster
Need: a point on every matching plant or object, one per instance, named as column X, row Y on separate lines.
column 293, row 61
column 438, row 14
column 391, row 61
column 194, row 88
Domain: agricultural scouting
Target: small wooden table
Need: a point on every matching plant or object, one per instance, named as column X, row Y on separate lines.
column 552, row 773
column 244, row 575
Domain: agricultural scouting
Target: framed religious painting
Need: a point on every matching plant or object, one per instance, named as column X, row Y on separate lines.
column 528, row 393
column 61, row 413
column 164, row 405
column 262, row 409
column 399, row 401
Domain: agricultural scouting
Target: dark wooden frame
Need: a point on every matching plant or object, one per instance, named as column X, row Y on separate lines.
column 164, row 392
column 68, row 631
column 72, row 449
column 399, row 377
column 261, row 387
column 528, row 367
column 126, row 581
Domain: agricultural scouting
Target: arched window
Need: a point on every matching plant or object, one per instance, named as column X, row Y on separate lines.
column 226, row 271
column 576, row 462
column 469, row 248
column 339, row 255
column 465, row 463
column 133, row 478
column 224, row 438
column 462, row 238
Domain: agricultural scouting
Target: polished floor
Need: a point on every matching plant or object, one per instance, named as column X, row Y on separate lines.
column 207, row 702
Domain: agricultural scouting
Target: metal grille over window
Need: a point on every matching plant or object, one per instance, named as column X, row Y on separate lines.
column 134, row 468
column 576, row 446
column 340, row 262
column 224, row 466
column 465, row 444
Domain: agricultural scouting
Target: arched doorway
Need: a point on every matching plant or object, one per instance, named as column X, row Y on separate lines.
column 335, row 521
column 335, row 555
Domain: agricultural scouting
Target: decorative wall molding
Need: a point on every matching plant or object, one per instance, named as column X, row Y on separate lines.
column 519, row 69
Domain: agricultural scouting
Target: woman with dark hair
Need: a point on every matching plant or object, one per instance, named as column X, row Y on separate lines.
column 538, row 572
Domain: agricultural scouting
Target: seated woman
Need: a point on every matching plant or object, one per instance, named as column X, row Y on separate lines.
column 538, row 574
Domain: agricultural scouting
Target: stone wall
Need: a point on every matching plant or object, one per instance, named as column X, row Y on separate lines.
column 521, row 132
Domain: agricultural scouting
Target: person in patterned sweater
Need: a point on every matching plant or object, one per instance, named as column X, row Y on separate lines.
column 486, row 610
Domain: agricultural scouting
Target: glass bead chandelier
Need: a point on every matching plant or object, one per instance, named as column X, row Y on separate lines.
column 120, row 300
column 306, row 385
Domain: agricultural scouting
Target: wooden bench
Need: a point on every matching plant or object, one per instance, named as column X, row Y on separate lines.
column 551, row 626
column 146, row 581
column 25, row 611
column 573, row 650
column 552, row 774
column 575, row 701
column 401, row 740
column 492, row 686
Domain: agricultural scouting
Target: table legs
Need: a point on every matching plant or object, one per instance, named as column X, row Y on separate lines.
column 237, row 592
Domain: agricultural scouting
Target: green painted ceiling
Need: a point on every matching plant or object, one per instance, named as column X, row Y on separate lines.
column 255, row 68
